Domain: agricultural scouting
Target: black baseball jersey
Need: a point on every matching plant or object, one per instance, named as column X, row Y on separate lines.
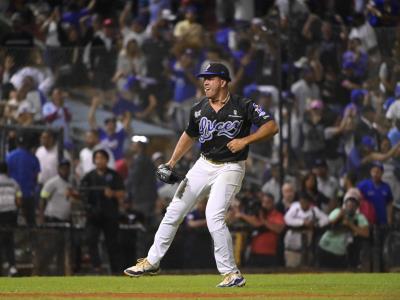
column 216, row 129
column 93, row 185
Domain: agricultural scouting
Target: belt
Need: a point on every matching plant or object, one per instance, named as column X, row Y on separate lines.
column 214, row 162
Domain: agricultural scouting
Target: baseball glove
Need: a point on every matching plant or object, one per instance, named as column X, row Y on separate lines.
column 168, row 175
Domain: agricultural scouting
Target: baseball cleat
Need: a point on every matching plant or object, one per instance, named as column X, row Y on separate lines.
column 143, row 267
column 234, row 279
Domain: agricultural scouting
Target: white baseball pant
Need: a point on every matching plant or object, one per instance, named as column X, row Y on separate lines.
column 222, row 182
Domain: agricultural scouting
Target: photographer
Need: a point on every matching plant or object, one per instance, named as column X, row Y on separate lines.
column 346, row 225
column 267, row 225
column 303, row 219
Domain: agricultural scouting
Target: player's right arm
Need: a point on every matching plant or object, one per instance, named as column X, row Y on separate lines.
column 184, row 144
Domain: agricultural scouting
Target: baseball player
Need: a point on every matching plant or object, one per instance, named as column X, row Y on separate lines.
column 221, row 122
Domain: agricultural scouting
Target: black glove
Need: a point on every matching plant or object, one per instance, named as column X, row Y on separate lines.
column 168, row 175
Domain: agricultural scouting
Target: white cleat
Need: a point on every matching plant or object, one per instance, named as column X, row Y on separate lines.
column 143, row 267
column 234, row 279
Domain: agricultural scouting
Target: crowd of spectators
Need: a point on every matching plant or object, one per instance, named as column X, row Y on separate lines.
column 329, row 71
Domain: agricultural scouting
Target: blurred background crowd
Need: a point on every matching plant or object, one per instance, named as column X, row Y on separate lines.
column 94, row 95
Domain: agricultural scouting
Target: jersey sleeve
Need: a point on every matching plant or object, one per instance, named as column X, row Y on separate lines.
column 192, row 129
column 48, row 189
column 256, row 114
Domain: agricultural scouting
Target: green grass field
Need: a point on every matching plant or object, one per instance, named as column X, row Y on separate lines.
column 259, row 286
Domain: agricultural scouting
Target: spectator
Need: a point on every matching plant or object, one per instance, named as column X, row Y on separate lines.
column 24, row 168
column 383, row 13
column 288, row 197
column 10, row 200
column 57, row 195
column 356, row 55
column 39, row 72
column 267, row 225
column 47, row 154
column 57, row 114
column 101, row 56
column 302, row 220
column 394, row 132
column 110, row 137
column 70, row 58
column 25, row 114
column 55, row 207
column 141, row 183
column 188, row 33
column 73, row 13
column 366, row 125
column 136, row 28
column 185, row 87
column 86, row 163
column 305, row 89
column 156, row 48
column 393, row 111
column 137, row 97
column 19, row 40
column 327, row 184
column 378, row 193
column 347, row 225
column 309, row 185
column 131, row 62
column 313, row 129
column 356, row 159
column 103, row 191
column 272, row 186
column 365, row 32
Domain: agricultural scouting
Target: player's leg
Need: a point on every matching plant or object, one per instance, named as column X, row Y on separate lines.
column 189, row 191
column 224, row 188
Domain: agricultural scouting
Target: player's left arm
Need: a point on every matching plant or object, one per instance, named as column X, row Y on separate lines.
column 265, row 131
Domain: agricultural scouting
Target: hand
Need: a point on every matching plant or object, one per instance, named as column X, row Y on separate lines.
column 238, row 214
column 346, row 222
column 236, row 145
column 245, row 60
column 308, row 223
column 109, row 193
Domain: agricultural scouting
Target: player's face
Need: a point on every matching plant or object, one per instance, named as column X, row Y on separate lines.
column 212, row 86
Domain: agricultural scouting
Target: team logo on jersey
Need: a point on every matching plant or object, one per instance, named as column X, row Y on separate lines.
column 197, row 113
column 208, row 128
column 259, row 110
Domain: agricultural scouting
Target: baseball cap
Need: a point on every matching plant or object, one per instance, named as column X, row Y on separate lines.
column 368, row 141
column 352, row 193
column 377, row 164
column 64, row 162
column 320, row 163
column 357, row 95
column 316, row 104
column 108, row 22
column 215, row 69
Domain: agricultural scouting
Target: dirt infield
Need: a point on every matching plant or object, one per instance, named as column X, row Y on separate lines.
column 190, row 295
